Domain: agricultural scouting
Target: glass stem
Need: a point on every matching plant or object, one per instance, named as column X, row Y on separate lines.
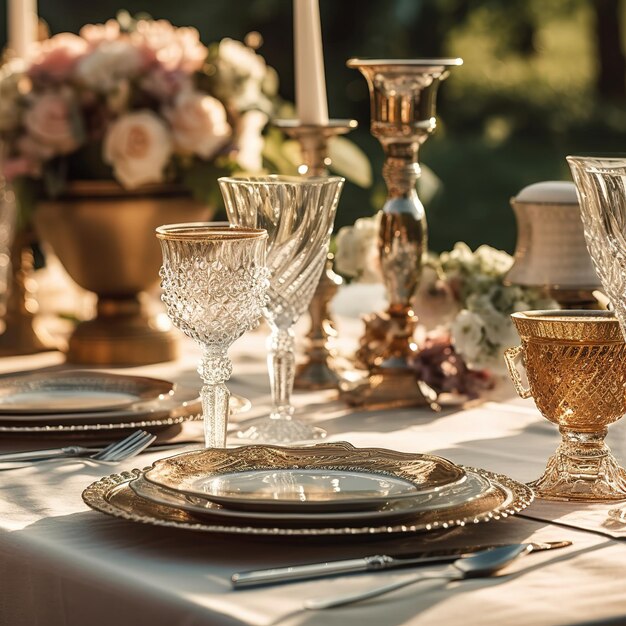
column 215, row 368
column 281, row 362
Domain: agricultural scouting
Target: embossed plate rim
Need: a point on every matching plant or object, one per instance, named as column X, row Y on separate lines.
column 97, row 495
column 328, row 455
column 209, row 509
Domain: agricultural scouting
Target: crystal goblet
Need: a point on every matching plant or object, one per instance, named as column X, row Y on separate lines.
column 214, row 280
column 601, row 187
column 298, row 215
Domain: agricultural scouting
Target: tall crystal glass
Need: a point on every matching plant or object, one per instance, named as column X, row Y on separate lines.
column 298, row 215
column 601, row 186
column 214, row 281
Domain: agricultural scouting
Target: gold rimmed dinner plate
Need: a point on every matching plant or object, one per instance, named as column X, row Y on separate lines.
column 79, row 391
column 325, row 477
column 475, row 486
column 112, row 495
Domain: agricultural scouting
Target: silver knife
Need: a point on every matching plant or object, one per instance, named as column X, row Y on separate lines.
column 375, row 562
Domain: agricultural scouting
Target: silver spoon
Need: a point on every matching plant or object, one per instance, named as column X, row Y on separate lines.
column 480, row 564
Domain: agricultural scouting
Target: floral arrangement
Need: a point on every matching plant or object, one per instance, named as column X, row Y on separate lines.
column 462, row 302
column 139, row 101
column 473, row 304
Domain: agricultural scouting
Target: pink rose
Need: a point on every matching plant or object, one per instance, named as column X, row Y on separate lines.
column 165, row 84
column 138, row 146
column 55, row 58
column 199, row 124
column 95, row 34
column 20, row 166
column 50, row 122
column 174, row 48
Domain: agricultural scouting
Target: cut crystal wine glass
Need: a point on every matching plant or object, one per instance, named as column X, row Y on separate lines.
column 601, row 186
column 214, row 281
column 298, row 215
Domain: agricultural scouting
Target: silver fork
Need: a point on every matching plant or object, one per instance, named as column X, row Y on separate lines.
column 114, row 453
column 125, row 449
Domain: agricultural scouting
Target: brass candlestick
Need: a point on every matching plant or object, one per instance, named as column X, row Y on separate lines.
column 318, row 370
column 19, row 336
column 402, row 96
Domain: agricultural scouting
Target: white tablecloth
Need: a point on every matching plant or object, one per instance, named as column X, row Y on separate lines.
column 62, row 564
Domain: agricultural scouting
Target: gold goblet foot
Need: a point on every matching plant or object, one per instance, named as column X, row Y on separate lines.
column 582, row 468
column 122, row 333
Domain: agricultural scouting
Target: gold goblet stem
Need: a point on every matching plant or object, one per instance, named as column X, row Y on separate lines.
column 318, row 371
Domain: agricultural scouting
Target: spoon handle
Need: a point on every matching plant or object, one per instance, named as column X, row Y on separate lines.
column 449, row 573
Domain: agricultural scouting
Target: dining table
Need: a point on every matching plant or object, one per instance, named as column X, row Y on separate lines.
column 63, row 564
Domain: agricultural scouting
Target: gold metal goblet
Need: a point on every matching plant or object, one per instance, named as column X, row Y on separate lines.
column 575, row 362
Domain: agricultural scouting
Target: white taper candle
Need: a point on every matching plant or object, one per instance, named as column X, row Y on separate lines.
column 22, row 26
column 311, row 102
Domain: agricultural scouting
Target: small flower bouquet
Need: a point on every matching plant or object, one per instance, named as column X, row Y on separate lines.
column 137, row 101
column 478, row 303
column 462, row 302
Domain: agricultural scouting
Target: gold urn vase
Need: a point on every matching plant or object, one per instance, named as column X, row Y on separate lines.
column 104, row 237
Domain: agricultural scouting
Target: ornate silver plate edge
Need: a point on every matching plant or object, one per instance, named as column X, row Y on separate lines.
column 80, row 428
column 96, row 497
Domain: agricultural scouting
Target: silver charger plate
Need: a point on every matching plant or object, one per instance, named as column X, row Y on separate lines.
column 179, row 401
column 324, row 477
column 113, row 496
column 78, row 391
column 100, row 427
column 182, row 406
column 474, row 486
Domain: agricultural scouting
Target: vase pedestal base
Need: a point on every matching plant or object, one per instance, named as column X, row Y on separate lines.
column 388, row 388
column 122, row 333
column 20, row 338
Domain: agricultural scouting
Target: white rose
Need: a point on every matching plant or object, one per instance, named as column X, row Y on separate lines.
column 250, row 140
column 242, row 59
column 138, row 146
column 357, row 250
column 241, row 75
column 108, row 64
column 499, row 329
column 467, row 335
column 199, row 124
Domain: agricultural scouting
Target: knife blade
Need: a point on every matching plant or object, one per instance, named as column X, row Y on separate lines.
column 374, row 562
